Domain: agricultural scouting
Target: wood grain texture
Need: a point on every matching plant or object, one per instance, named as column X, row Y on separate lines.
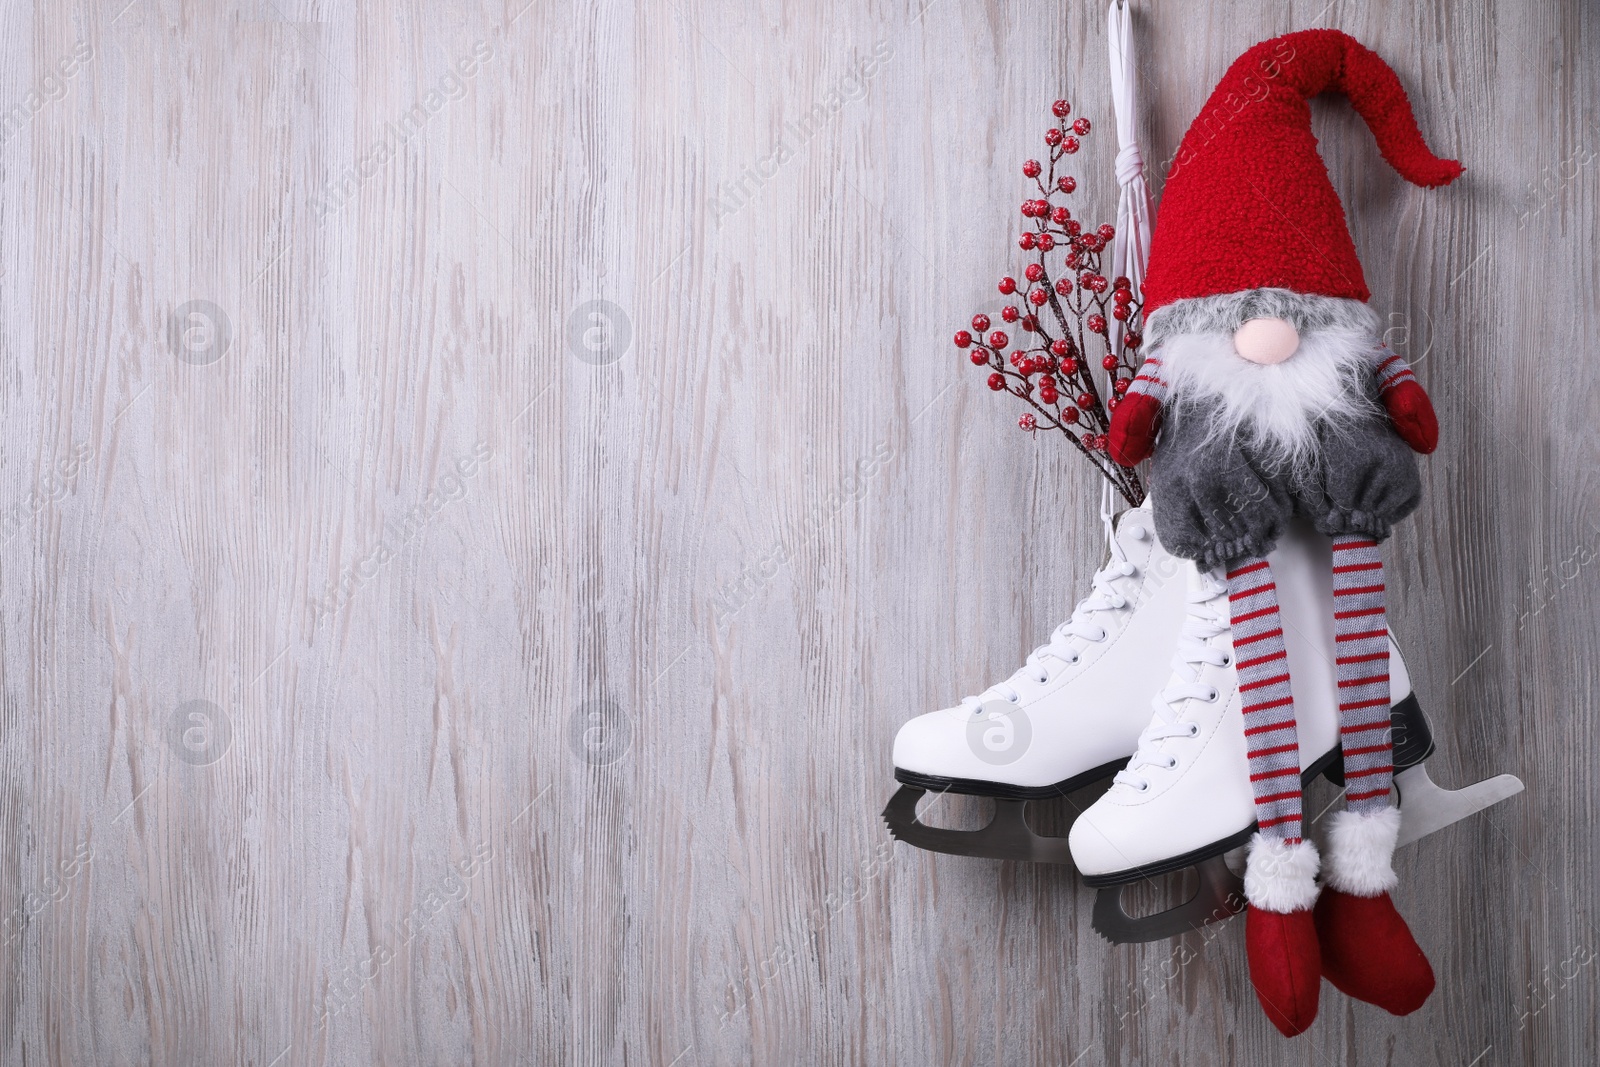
column 551, row 663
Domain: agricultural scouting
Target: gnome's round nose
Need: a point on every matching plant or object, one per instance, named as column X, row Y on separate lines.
column 1266, row 341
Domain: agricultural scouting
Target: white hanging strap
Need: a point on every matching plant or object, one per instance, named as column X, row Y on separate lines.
column 1136, row 211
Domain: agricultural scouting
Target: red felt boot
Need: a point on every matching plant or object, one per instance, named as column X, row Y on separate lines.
column 1367, row 949
column 1285, row 966
column 1280, row 936
column 1368, row 952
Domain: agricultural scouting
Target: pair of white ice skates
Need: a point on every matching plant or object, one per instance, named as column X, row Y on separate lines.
column 1079, row 711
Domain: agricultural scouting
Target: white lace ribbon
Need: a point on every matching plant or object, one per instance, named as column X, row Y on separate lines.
column 1203, row 621
column 1136, row 211
column 1082, row 626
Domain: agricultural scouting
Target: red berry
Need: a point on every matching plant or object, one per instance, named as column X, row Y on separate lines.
column 1038, row 297
column 1066, row 183
column 1120, row 313
column 1060, row 215
column 1046, row 242
column 1027, row 421
column 1064, row 286
column 1096, row 323
column 998, row 339
column 1061, row 109
column 997, row 381
column 1031, row 168
column 1030, row 323
column 1085, row 401
column 1016, row 360
column 1070, row 145
column 1052, row 137
column 1069, row 414
column 1074, row 228
column 1122, row 297
column 1088, row 441
column 1109, row 363
column 1008, row 285
column 963, row 338
column 980, row 356
column 1010, row 314
column 1034, row 272
column 1080, row 126
column 980, row 322
column 1060, row 348
column 1121, row 385
column 1069, row 366
column 1049, row 396
column 1107, row 231
column 1122, row 283
column 1111, row 405
column 1131, row 340
column 1046, row 382
column 1025, row 242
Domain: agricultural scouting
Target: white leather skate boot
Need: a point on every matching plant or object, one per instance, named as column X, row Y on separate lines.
column 1069, row 717
column 1184, row 799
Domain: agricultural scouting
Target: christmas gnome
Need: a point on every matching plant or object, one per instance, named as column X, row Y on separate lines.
column 1267, row 392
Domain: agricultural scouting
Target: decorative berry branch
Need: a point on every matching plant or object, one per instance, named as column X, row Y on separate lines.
column 1051, row 368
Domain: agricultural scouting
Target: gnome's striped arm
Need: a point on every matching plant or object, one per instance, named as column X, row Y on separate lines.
column 1389, row 368
column 1403, row 397
column 1137, row 419
column 1149, row 381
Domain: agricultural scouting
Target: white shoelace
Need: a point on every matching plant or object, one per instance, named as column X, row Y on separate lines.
column 1082, row 626
column 1202, row 622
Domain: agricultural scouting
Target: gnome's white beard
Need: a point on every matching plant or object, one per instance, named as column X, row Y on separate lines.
column 1276, row 407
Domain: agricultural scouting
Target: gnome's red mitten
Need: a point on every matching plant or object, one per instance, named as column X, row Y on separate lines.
column 1412, row 414
column 1368, row 952
column 1133, row 428
column 1280, row 935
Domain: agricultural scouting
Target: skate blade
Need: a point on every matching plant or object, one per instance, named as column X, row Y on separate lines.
column 1426, row 807
column 1219, row 896
column 1007, row 837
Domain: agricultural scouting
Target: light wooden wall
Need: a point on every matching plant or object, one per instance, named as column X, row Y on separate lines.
column 582, row 762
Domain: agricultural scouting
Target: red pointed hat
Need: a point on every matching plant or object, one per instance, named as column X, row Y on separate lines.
column 1248, row 203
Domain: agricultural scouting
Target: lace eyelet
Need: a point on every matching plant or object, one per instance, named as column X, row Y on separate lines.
column 1144, row 787
column 1014, row 699
column 1194, row 729
column 1172, row 761
column 1215, row 693
column 1227, row 660
column 1044, row 678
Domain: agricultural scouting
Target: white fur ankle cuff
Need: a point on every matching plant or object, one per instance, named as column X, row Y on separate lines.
column 1281, row 877
column 1361, row 852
